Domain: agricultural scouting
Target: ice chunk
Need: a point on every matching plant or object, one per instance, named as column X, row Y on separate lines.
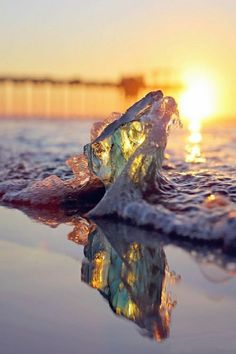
column 146, row 120
column 132, row 158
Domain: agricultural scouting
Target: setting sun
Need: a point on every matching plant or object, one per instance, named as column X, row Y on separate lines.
column 198, row 100
column 197, row 103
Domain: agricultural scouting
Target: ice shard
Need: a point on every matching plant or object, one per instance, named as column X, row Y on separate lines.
column 108, row 154
column 127, row 156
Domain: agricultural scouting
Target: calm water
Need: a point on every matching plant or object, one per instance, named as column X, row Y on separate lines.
column 125, row 289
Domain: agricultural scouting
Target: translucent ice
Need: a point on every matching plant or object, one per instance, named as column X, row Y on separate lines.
column 146, row 121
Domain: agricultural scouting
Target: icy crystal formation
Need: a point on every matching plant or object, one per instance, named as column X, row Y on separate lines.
column 127, row 156
column 109, row 153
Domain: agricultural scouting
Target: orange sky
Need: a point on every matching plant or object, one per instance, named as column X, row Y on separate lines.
column 105, row 39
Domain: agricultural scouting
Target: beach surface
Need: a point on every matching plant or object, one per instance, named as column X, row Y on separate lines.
column 50, row 302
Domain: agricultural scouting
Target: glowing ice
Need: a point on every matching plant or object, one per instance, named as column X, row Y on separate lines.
column 127, row 156
column 145, row 121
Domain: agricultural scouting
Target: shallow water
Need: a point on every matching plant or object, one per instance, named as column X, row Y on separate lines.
column 197, row 201
column 189, row 302
column 46, row 307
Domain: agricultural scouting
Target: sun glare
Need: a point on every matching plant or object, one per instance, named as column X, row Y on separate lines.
column 197, row 103
column 198, row 100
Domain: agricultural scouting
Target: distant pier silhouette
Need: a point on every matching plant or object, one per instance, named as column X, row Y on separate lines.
column 48, row 96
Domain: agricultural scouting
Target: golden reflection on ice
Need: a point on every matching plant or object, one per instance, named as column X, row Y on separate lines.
column 167, row 304
column 134, row 279
column 109, row 155
column 193, row 145
column 98, row 278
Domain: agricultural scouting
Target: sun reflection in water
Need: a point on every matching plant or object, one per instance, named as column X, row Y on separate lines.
column 193, row 145
column 197, row 103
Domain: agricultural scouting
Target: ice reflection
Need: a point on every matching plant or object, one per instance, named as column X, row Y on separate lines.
column 193, row 145
column 132, row 275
